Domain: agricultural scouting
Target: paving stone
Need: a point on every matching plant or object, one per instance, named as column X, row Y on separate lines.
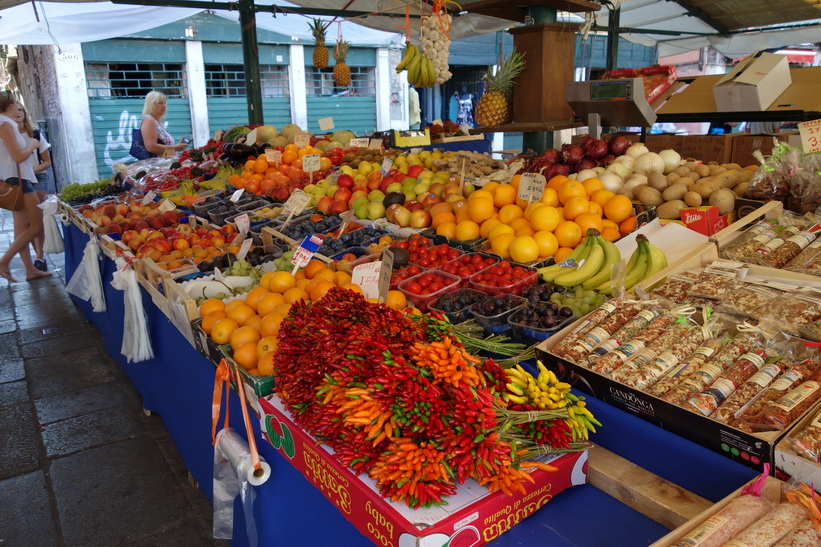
column 80, row 402
column 190, row 533
column 8, row 347
column 39, row 294
column 55, row 346
column 67, row 372
column 124, row 482
column 29, row 316
column 26, row 517
column 20, row 441
column 52, row 331
column 12, row 370
column 13, row 393
column 38, row 285
column 6, row 313
column 74, row 434
column 8, row 326
column 5, row 298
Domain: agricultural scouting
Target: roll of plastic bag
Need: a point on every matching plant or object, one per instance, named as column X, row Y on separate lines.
column 86, row 283
column 53, row 238
column 136, row 341
column 234, row 474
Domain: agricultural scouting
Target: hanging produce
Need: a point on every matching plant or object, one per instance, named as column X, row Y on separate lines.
column 494, row 106
column 436, row 42
column 320, row 50
column 342, row 72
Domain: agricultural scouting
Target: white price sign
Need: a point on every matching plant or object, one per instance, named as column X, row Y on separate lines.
column 359, row 143
column 386, row 166
column 251, row 137
column 273, row 156
column 243, row 223
column 236, row 195
column 244, row 248
column 149, row 197
column 385, row 273
column 334, row 177
column 310, row 163
column 326, row 124
column 531, row 187
column 218, row 135
column 296, row 203
column 302, row 139
column 167, row 205
column 305, row 251
column 367, row 277
column 810, row 136
column 375, row 143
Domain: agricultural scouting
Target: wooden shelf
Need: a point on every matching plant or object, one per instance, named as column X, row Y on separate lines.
column 516, row 10
column 528, row 127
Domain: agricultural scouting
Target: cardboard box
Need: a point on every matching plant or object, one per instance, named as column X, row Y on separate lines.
column 745, row 145
column 787, row 459
column 411, row 138
column 473, row 516
column 706, row 220
column 753, row 84
column 703, row 148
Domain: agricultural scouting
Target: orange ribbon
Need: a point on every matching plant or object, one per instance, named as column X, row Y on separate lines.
column 805, row 497
column 221, row 378
column 252, row 443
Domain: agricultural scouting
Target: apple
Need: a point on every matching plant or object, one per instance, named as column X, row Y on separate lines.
column 376, row 195
column 426, row 175
column 420, row 219
column 311, row 189
column 468, row 189
column 345, row 181
column 361, row 211
column 342, row 194
column 402, row 216
column 324, row 205
column 383, row 186
column 365, row 167
column 430, row 200
column 414, row 170
column 413, row 205
column 347, row 169
column 356, row 196
column 437, row 188
column 421, row 187
column 338, row 206
column 393, row 187
column 360, row 188
column 375, row 210
column 450, row 189
column 331, row 190
column 390, row 212
column 359, row 201
column 373, row 184
column 410, row 195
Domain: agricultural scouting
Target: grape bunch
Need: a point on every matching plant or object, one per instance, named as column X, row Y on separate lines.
column 245, row 269
column 581, row 301
column 283, row 263
column 79, row 194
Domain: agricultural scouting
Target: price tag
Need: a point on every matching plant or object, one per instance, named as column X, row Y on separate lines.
column 359, row 143
column 168, row 153
column 326, row 124
column 367, row 277
column 531, row 187
column 273, row 156
column 243, row 223
column 167, row 205
column 305, row 251
column 244, row 248
column 236, row 195
column 375, row 143
column 302, row 139
column 296, row 203
column 416, row 150
column 464, row 160
column 385, row 273
column 810, row 136
column 310, row 163
column 334, row 177
column 218, row 135
column 149, row 197
column 251, row 137
column 386, row 166
column 347, row 217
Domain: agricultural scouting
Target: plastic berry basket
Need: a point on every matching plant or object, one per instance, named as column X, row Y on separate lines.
column 202, row 208
column 497, row 324
column 422, row 301
column 527, row 334
column 517, row 287
column 457, row 312
column 395, row 283
column 466, row 279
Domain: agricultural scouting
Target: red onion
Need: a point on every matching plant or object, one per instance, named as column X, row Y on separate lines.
column 551, row 155
column 572, row 154
column 555, row 170
column 586, row 163
column 596, row 149
column 585, row 142
column 619, row 145
column 607, row 160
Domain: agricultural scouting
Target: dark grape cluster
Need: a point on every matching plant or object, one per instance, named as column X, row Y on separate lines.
column 331, row 247
column 495, row 305
column 457, row 303
column 544, row 315
column 298, row 230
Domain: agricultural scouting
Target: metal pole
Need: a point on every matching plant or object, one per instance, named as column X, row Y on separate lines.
column 613, row 39
column 539, row 141
column 250, row 57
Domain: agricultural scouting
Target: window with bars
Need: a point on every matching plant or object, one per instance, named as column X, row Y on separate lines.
column 223, row 80
column 135, row 79
column 320, row 82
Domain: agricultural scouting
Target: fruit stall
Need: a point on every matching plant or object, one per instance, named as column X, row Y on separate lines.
column 437, row 346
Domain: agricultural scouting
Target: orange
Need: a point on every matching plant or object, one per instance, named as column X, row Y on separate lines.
column 574, row 207
column 491, row 186
column 480, row 194
column 265, row 365
column 253, row 297
column 618, row 208
column 499, row 230
column 530, row 208
column 627, row 225
column 562, row 253
column 243, row 335
column 556, row 182
column 547, row 242
column 396, row 300
column 466, row 231
column 462, row 214
column 246, row 355
column 504, row 195
column 294, row 295
column 299, row 275
column 270, row 324
column 571, row 189
column 488, row 225
column 610, row 234
column 501, row 244
column 605, row 223
column 601, row 197
column 326, row 274
column 524, row 249
column 550, row 197
column 341, row 278
column 545, row 218
column 595, row 208
column 525, row 231
column 321, row 289
column 312, row 267
column 269, row 343
column 592, row 185
column 210, row 306
column 222, row 330
column 266, row 277
column 589, row 220
column 269, row 302
column 281, row 282
column 210, row 320
column 568, row 233
column 509, row 213
column 518, row 223
column 233, row 304
column 283, row 308
column 441, row 218
column 241, row 314
column 353, row 287
column 479, row 209
column 448, row 229
column 254, row 322
column 515, row 181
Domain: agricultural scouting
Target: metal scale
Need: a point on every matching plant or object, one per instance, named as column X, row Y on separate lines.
column 612, row 102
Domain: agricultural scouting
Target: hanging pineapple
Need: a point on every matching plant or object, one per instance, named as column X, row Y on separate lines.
column 342, row 72
column 320, row 50
column 494, row 106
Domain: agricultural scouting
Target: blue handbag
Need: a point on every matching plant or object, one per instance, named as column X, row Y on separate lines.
column 138, row 150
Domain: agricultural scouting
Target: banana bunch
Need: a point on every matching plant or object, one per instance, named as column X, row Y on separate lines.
column 218, row 181
column 419, row 66
column 588, row 265
column 646, row 261
column 547, row 393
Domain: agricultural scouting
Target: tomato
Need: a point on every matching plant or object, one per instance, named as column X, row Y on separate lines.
column 414, row 288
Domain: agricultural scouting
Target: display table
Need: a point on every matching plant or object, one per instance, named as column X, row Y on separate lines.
column 178, row 385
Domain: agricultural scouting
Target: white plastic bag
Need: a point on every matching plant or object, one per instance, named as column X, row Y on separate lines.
column 86, row 283
column 54, row 239
column 136, row 341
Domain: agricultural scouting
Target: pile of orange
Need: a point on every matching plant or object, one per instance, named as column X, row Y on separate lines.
column 259, row 176
column 552, row 226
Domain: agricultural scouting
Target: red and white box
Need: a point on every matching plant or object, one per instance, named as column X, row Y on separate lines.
column 705, row 220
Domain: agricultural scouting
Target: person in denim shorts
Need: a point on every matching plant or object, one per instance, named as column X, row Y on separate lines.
column 40, row 162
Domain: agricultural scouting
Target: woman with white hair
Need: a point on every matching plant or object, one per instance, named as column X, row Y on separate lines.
column 156, row 139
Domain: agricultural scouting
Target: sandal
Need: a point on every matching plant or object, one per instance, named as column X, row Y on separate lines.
column 41, row 265
column 5, row 273
column 38, row 275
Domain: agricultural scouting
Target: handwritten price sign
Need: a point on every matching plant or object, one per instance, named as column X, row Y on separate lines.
column 273, row 156
column 359, row 143
column 531, row 187
column 302, row 139
column 296, row 203
column 367, row 277
column 305, row 251
column 810, row 136
column 310, row 163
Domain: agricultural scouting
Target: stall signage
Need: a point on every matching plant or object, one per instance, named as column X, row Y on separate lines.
column 531, row 187
column 306, row 251
column 810, row 136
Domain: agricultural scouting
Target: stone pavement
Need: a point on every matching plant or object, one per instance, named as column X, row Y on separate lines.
column 80, row 462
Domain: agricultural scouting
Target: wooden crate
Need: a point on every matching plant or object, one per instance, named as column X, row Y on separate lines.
column 114, row 248
column 270, row 236
column 770, row 210
column 463, row 138
column 700, row 257
column 182, row 309
column 150, row 278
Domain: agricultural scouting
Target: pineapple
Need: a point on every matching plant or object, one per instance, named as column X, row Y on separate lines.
column 494, row 106
column 342, row 72
column 320, row 50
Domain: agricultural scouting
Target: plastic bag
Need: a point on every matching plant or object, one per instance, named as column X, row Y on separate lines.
column 772, row 181
column 805, row 190
column 136, row 345
column 53, row 238
column 807, row 442
column 86, row 283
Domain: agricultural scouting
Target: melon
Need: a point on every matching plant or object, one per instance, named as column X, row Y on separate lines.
column 266, row 132
column 344, row 137
column 289, row 131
